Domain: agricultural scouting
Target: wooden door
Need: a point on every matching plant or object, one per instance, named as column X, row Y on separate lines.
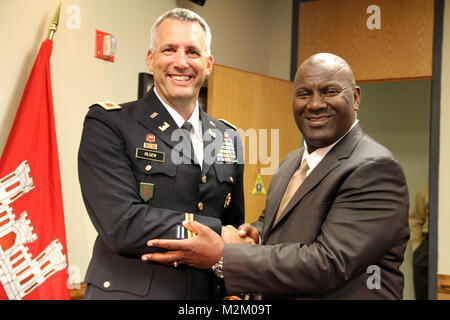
column 257, row 105
column 381, row 39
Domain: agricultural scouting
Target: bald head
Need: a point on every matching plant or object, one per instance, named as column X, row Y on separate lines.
column 321, row 62
column 326, row 99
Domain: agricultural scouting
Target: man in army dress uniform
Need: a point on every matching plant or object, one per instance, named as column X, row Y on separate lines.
column 147, row 165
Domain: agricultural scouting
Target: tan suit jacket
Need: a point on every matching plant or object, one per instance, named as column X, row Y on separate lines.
column 347, row 220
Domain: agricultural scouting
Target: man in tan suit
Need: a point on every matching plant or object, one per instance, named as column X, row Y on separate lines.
column 335, row 227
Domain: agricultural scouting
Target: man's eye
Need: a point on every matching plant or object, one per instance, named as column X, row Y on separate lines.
column 193, row 54
column 331, row 92
column 168, row 50
column 303, row 94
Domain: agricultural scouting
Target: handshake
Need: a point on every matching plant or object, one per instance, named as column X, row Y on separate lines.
column 245, row 234
column 203, row 250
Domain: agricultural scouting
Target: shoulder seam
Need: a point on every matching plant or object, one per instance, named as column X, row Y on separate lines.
column 228, row 123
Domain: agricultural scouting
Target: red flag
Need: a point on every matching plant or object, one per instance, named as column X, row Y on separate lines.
column 33, row 251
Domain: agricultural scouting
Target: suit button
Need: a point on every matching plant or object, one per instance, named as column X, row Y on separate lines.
column 106, row 284
column 148, row 168
column 203, row 179
column 200, row 206
column 231, row 180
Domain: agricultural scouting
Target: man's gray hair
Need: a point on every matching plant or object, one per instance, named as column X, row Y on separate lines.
column 181, row 14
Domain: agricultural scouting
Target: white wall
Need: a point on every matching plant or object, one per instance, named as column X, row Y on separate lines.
column 251, row 35
column 245, row 36
column 444, row 161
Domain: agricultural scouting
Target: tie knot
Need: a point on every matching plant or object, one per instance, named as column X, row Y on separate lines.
column 187, row 125
column 304, row 166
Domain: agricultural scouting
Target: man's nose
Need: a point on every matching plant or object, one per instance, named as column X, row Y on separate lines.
column 316, row 101
column 180, row 59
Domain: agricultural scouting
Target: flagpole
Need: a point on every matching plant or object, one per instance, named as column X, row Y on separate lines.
column 54, row 23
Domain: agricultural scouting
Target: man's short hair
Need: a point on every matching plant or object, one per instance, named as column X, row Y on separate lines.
column 181, row 14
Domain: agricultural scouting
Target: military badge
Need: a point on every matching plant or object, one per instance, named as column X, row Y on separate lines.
column 164, row 126
column 182, row 232
column 154, row 115
column 211, row 133
column 150, row 138
column 227, row 201
column 109, row 105
column 226, row 152
column 146, row 191
column 188, row 217
column 153, row 146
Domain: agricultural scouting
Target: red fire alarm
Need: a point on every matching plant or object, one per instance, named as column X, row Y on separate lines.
column 105, row 45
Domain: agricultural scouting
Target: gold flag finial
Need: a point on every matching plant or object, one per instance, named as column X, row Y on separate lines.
column 54, row 23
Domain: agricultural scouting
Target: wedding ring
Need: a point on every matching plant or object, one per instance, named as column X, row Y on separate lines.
column 175, row 264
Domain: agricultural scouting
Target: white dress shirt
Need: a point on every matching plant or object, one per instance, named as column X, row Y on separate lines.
column 317, row 155
column 196, row 134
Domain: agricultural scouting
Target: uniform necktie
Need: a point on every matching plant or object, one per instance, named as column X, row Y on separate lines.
column 297, row 179
column 189, row 148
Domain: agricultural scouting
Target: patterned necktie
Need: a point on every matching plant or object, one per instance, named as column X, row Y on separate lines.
column 188, row 147
column 295, row 182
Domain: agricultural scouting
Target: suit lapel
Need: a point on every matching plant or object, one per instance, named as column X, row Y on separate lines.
column 342, row 150
column 278, row 187
column 210, row 141
column 156, row 118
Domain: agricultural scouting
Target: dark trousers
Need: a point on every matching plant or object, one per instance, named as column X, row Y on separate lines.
column 420, row 270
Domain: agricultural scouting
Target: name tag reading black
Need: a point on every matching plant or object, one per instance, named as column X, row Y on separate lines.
column 150, row 155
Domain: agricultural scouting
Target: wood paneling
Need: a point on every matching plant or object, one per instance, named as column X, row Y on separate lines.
column 252, row 102
column 400, row 50
column 443, row 287
column 77, row 291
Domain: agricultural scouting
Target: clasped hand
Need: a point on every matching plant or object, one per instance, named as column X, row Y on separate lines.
column 203, row 250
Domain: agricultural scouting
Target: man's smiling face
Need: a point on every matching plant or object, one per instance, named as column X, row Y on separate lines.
column 179, row 62
column 325, row 101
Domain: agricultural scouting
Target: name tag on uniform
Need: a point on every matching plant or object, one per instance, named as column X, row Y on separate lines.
column 150, row 155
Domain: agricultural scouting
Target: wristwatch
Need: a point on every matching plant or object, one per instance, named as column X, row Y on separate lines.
column 218, row 268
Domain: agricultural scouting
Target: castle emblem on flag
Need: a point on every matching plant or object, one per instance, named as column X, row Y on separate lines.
column 19, row 273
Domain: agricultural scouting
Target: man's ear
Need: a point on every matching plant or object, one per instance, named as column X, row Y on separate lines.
column 209, row 65
column 149, row 60
column 356, row 97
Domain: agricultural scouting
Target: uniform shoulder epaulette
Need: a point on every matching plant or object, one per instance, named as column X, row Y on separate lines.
column 228, row 123
column 108, row 105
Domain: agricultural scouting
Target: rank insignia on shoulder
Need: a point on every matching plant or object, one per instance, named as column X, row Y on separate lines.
column 108, row 105
column 228, row 124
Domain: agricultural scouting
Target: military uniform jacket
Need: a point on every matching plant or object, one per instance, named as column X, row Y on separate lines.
column 138, row 184
column 342, row 235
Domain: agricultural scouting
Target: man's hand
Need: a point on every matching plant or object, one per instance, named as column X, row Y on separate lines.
column 231, row 235
column 247, row 230
column 201, row 252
